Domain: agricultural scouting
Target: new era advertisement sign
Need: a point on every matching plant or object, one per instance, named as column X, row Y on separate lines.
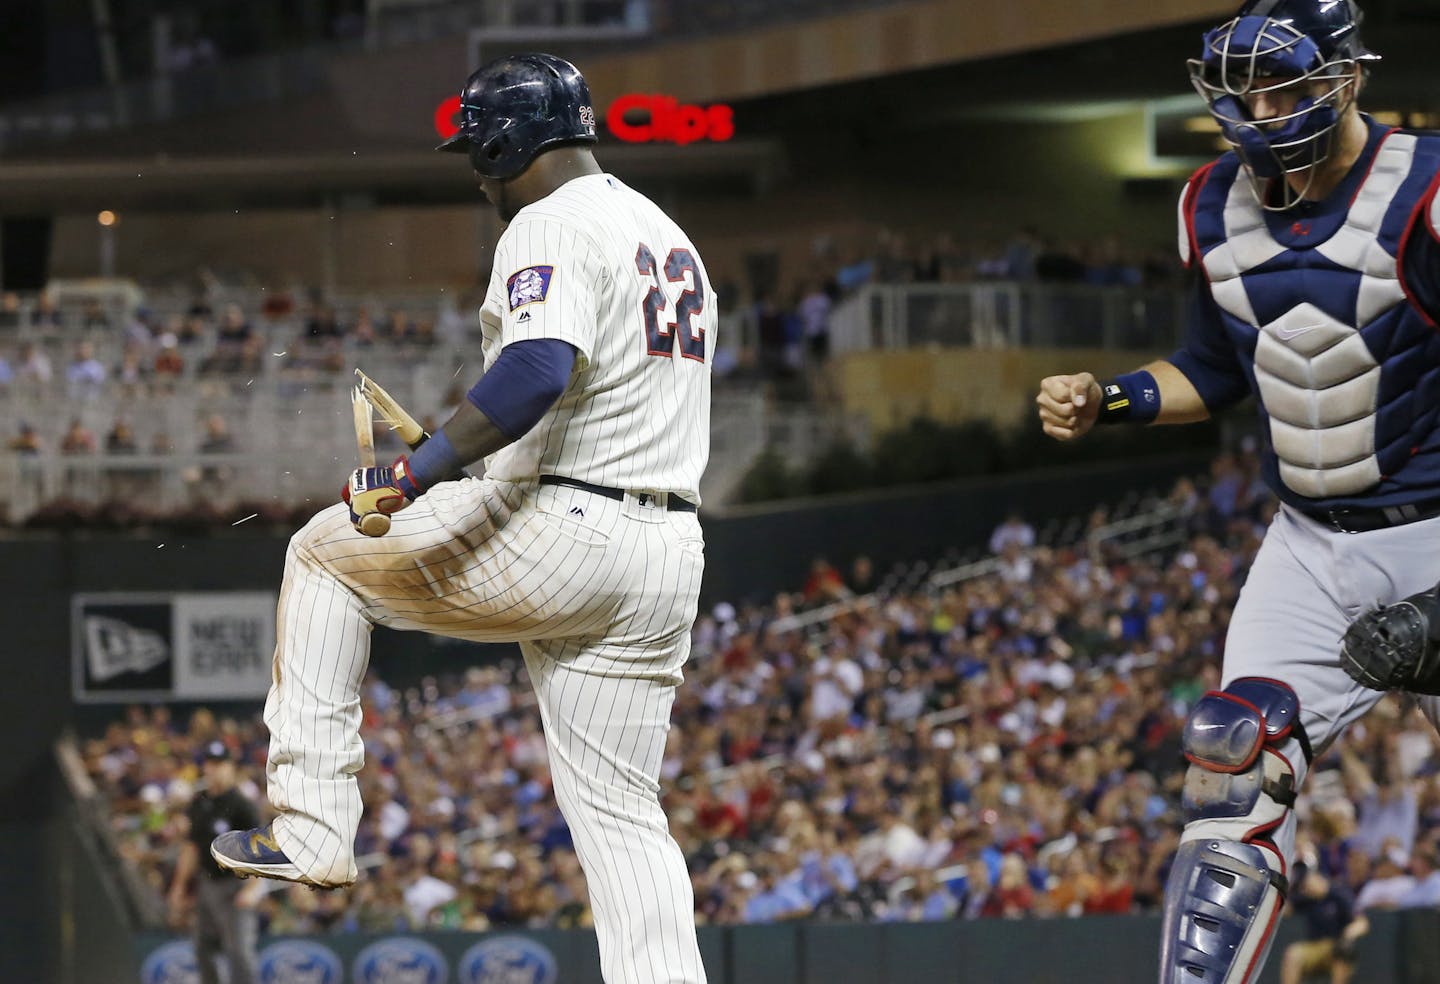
column 193, row 646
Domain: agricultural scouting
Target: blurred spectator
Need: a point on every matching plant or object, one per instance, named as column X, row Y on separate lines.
column 1331, row 931
column 44, row 314
column 27, row 441
column 770, row 332
column 169, row 363
column 1425, row 872
column 217, row 439
column 7, row 375
column 1013, row 530
column 1390, row 881
column 139, row 329
column 131, row 373
column 777, row 897
column 1387, row 807
column 862, row 576
column 1108, row 266
column 9, row 311
column 1016, row 564
column 1013, row 896
column 364, row 332
column 34, row 365
column 857, row 271
column 1022, row 255
column 85, row 375
column 398, row 327
column 323, row 323
column 78, row 439
column 235, row 343
column 824, row 583
column 94, row 317
column 121, row 439
column 192, row 328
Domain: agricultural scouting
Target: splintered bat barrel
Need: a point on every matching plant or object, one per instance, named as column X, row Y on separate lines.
column 375, row 523
column 393, row 413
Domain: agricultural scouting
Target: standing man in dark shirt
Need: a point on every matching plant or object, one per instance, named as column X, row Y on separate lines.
column 1331, row 931
column 222, row 923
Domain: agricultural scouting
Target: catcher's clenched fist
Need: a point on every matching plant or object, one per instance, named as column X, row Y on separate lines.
column 1396, row 647
column 1068, row 405
column 379, row 490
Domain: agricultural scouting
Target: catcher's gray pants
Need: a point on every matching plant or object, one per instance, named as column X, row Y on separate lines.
column 223, row 927
column 1308, row 582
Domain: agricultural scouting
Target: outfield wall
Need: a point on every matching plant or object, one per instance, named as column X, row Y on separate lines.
column 1401, row 949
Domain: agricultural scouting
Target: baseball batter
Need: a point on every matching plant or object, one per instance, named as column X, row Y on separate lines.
column 582, row 542
column 1315, row 245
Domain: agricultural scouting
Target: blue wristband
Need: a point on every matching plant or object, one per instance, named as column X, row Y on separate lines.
column 434, row 461
column 1133, row 398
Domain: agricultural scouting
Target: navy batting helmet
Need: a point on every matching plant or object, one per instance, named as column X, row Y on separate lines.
column 517, row 106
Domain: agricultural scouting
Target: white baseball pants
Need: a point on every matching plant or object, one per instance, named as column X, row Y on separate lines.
column 601, row 594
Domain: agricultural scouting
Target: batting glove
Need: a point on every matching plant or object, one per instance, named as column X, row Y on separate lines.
column 384, row 489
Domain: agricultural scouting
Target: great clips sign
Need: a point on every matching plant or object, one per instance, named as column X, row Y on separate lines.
column 637, row 118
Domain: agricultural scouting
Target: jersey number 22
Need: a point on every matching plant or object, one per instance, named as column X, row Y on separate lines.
column 661, row 337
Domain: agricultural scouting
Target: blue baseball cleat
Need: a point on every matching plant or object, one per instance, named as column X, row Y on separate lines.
column 256, row 852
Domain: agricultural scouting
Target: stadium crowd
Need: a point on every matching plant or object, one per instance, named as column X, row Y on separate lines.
column 1007, row 746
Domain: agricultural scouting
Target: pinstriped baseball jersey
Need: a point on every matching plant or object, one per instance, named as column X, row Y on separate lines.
column 600, row 593
column 600, row 266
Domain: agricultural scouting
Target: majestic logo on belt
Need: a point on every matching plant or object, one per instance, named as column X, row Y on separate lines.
column 508, row 960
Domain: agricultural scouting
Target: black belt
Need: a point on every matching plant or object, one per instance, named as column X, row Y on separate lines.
column 1346, row 519
column 673, row 502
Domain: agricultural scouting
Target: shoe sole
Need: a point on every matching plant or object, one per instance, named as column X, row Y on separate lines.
column 276, row 872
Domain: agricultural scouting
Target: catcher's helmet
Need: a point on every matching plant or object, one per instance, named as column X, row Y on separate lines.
column 1270, row 45
column 515, row 107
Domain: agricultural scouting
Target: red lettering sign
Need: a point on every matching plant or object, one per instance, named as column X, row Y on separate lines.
column 445, row 114
column 664, row 119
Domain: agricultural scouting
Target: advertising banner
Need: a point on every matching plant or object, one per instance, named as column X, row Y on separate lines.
column 186, row 646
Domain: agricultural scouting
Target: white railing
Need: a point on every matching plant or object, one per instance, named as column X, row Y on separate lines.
column 291, row 440
column 1007, row 314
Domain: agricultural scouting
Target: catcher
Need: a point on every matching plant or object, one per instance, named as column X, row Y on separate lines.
column 1315, row 249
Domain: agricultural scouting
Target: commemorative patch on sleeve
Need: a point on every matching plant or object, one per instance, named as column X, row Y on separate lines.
column 529, row 285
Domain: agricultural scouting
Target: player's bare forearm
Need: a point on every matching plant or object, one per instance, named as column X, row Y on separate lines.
column 1180, row 402
column 472, row 434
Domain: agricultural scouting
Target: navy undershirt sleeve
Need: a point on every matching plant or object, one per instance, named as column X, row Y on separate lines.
column 1208, row 358
column 525, row 381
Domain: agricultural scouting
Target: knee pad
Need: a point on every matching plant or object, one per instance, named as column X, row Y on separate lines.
column 1239, row 783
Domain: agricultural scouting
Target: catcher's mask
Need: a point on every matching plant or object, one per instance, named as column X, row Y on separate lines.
column 1303, row 55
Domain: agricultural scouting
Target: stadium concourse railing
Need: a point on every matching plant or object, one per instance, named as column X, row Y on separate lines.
column 1007, row 314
